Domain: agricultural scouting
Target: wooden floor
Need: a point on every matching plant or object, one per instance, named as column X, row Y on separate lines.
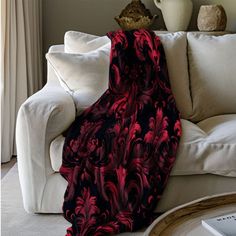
column 5, row 167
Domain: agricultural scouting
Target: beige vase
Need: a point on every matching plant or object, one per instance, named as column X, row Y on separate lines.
column 176, row 13
column 212, row 18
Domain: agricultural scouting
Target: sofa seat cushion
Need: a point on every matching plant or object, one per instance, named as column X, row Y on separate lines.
column 206, row 147
column 83, row 76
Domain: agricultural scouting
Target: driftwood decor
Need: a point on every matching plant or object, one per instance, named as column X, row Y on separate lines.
column 135, row 16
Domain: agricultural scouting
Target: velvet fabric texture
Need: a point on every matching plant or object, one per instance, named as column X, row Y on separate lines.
column 119, row 152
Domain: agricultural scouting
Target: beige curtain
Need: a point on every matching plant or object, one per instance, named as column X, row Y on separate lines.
column 21, row 63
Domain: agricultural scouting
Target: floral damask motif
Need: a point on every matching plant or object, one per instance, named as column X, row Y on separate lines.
column 119, row 152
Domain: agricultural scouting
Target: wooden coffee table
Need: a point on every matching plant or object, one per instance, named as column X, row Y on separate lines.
column 185, row 220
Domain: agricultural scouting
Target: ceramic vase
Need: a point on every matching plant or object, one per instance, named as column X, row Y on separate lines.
column 212, row 18
column 176, row 13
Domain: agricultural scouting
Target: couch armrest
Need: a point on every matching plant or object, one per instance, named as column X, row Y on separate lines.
column 41, row 118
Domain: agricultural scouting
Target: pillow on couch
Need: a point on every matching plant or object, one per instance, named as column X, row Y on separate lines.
column 212, row 66
column 78, row 42
column 175, row 46
column 84, row 76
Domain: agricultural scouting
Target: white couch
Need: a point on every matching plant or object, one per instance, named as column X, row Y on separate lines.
column 202, row 72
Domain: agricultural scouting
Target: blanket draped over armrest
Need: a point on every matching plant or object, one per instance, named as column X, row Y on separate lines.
column 119, row 152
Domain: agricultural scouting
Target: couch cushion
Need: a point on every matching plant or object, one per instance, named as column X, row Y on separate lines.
column 84, row 76
column 175, row 46
column 212, row 74
column 79, row 42
column 206, row 147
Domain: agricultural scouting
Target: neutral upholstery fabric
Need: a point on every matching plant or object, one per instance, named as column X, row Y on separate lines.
column 201, row 148
column 179, row 190
column 79, row 42
column 175, row 46
column 208, row 147
column 41, row 118
column 84, row 76
column 212, row 74
column 21, row 63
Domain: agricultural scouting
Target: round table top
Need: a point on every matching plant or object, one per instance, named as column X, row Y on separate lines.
column 185, row 220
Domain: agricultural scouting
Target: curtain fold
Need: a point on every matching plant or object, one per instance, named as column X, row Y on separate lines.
column 21, row 63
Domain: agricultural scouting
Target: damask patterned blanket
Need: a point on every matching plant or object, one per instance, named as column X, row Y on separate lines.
column 119, row 152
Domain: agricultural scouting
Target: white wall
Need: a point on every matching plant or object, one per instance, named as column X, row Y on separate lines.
column 97, row 16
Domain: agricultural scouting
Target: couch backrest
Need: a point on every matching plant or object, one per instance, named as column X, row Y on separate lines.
column 175, row 46
column 202, row 69
column 212, row 73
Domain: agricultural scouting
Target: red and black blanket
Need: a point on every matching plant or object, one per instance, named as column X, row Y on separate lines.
column 119, row 152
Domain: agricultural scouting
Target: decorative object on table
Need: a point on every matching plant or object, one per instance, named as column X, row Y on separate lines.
column 135, row 16
column 176, row 13
column 211, row 18
column 224, row 225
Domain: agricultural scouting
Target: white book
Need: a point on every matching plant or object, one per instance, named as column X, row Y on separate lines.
column 222, row 225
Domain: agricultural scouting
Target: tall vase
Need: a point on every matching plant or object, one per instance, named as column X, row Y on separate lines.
column 176, row 13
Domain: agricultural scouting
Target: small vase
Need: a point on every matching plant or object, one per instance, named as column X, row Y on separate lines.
column 176, row 13
column 212, row 18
